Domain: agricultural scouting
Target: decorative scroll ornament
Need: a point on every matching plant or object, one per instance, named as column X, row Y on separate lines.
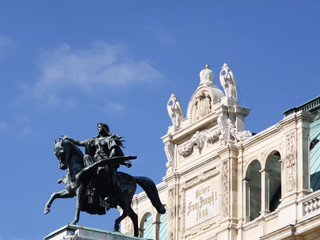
column 198, row 140
column 240, row 136
column 201, row 137
column 226, row 126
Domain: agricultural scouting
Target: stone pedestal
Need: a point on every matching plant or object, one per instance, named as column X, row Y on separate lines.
column 75, row 232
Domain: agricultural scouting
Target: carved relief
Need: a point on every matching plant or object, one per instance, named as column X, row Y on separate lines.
column 171, row 214
column 201, row 202
column 225, row 188
column 183, row 210
column 201, row 106
column 290, row 163
column 171, row 236
column 223, row 126
column 198, row 140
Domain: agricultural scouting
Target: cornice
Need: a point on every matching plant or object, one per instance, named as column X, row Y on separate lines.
column 274, row 129
column 191, row 129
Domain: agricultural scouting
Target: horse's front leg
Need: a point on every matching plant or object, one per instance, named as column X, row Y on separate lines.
column 81, row 191
column 119, row 219
column 62, row 194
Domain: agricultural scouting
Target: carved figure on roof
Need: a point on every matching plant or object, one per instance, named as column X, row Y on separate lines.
column 228, row 82
column 175, row 111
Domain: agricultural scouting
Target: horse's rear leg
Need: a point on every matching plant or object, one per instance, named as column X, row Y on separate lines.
column 81, row 191
column 134, row 218
column 61, row 194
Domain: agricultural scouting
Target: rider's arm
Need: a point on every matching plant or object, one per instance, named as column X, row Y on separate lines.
column 113, row 152
column 75, row 141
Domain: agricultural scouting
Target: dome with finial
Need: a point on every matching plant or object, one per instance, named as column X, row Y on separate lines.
column 203, row 99
column 206, row 76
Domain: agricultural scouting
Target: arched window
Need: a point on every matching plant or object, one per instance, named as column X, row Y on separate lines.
column 154, row 228
column 273, row 181
column 146, row 226
column 253, row 191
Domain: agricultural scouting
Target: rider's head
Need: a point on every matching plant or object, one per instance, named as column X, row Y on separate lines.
column 103, row 128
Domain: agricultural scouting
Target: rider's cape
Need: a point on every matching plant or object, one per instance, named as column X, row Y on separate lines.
column 92, row 203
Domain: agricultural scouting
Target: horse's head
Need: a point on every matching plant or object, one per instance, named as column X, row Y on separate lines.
column 60, row 152
column 69, row 155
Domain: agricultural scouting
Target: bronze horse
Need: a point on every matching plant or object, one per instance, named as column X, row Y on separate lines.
column 79, row 177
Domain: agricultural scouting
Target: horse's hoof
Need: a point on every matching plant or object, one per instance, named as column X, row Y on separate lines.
column 74, row 223
column 46, row 211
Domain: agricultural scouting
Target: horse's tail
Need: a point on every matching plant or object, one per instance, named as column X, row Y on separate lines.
column 151, row 190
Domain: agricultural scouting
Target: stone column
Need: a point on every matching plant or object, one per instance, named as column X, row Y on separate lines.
column 140, row 230
column 265, row 190
column 247, row 198
column 156, row 228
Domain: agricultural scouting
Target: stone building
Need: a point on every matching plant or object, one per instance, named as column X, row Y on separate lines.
column 223, row 182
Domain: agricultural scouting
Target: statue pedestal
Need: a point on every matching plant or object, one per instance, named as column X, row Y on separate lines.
column 228, row 101
column 75, row 232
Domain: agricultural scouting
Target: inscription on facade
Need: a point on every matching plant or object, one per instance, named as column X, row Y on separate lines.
column 202, row 202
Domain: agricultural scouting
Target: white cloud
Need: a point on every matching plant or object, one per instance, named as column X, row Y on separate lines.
column 164, row 37
column 102, row 66
column 114, row 107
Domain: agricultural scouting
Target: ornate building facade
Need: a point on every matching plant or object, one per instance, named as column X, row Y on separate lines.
column 223, row 182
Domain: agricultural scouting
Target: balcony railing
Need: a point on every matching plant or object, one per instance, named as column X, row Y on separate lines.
column 310, row 204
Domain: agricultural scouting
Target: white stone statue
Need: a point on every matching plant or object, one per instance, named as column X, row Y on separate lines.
column 169, row 149
column 228, row 82
column 175, row 111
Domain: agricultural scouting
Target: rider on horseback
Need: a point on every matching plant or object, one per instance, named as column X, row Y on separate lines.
column 105, row 145
column 94, row 178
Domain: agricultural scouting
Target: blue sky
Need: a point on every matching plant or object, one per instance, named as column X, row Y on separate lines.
column 67, row 65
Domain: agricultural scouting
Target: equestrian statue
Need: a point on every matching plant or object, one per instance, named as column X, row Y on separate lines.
column 93, row 178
